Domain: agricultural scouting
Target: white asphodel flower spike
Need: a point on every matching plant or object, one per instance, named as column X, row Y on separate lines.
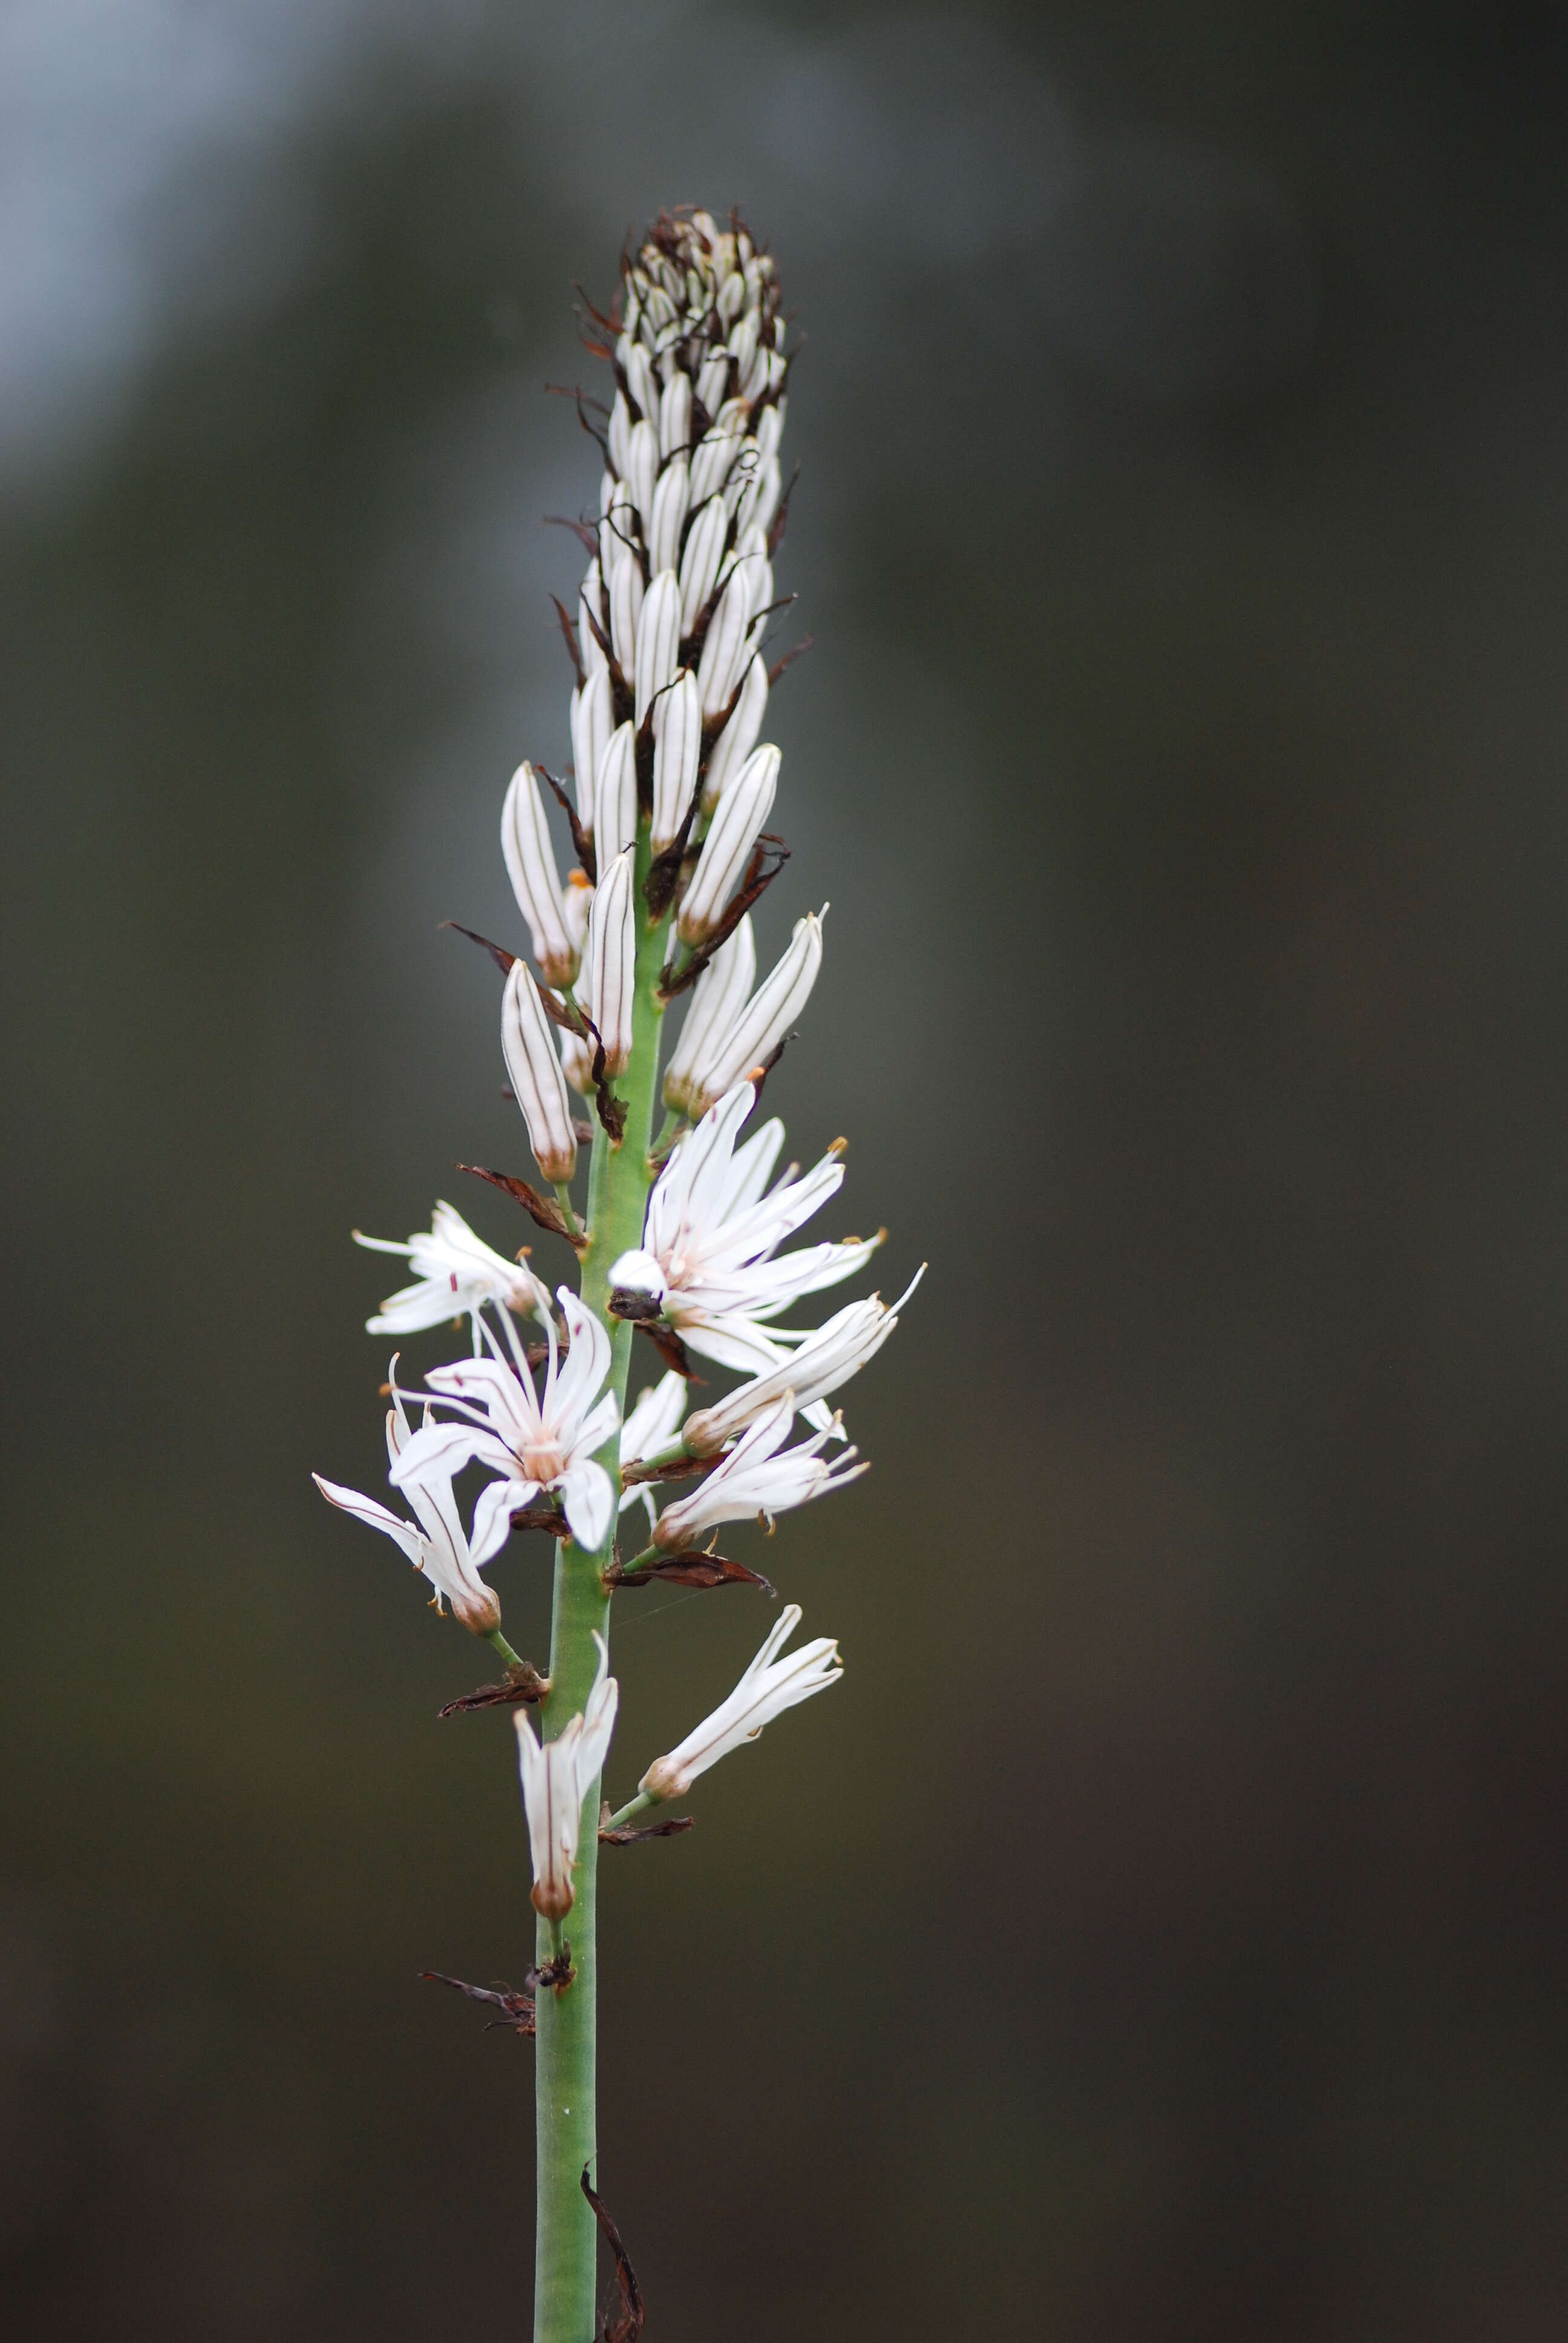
column 765, row 1021
column 824, row 1361
column 712, row 1228
column 649, row 1426
column 742, row 812
column 531, row 867
column 755, row 1482
column 438, row 1545
column 768, row 1687
column 612, row 960
column 718, row 999
column 537, row 1083
column 557, row 1781
column 534, row 1441
column 457, row 1275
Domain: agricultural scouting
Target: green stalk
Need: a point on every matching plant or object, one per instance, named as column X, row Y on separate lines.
column 565, row 2070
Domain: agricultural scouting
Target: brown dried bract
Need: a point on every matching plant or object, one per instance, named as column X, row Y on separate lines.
column 629, row 1834
column 678, row 1468
column 503, row 959
column 671, row 1349
column 522, row 1687
column 542, row 1209
column 691, row 1567
column 582, row 844
column 627, row 2324
column 769, row 857
column 541, row 1517
column 569, row 632
column 517, row 2008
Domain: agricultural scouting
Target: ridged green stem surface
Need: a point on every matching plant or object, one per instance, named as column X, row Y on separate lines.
column 565, row 2074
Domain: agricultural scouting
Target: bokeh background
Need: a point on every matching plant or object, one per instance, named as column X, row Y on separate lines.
column 1162, row 1933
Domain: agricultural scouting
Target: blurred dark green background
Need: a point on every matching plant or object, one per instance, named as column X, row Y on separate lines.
column 1162, row 1933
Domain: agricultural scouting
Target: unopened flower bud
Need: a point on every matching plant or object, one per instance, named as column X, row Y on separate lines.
column 536, row 1076
column 677, row 748
column 615, row 794
column 766, row 1018
column 638, row 368
column 532, row 866
column 670, row 501
column 625, row 609
column 724, row 645
column 612, row 960
column 674, row 415
column 716, row 450
column 643, row 467
column 590, row 649
column 718, row 999
column 593, row 721
column 726, row 850
column 738, row 738
column 714, row 380
column 699, row 561
column 658, row 638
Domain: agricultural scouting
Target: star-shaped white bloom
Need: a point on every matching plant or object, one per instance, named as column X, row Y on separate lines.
column 825, row 1359
column 755, row 1480
column 770, row 1686
column 558, row 1779
column 711, row 1231
column 648, row 1427
column 456, row 1275
column 435, row 1544
column 533, row 1439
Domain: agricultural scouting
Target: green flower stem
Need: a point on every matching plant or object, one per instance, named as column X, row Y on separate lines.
column 499, row 1642
column 565, row 2077
column 638, row 1806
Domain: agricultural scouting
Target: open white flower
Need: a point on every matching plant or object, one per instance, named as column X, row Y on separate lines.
column 534, row 1441
column 648, row 1427
column 770, row 1686
column 825, row 1359
column 710, row 1233
column 456, row 1275
column 755, row 1481
column 436, row 1543
column 557, row 1781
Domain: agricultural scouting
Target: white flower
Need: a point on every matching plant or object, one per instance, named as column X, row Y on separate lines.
column 731, row 1049
column 557, row 1781
column 537, row 1083
column 726, row 850
column 825, row 1359
column 612, row 959
column 438, row 1545
column 532, row 866
column 534, row 1441
column 648, row 1427
column 458, row 1274
column 755, row 1481
column 767, row 1688
column 710, row 1233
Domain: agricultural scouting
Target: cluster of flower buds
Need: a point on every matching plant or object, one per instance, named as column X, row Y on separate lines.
column 674, row 790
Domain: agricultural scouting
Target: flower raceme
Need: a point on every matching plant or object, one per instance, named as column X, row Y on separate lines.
column 754, row 1481
column 558, row 1780
column 534, row 1441
column 767, row 1688
column 692, row 1232
column 456, row 1275
column 438, row 1545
